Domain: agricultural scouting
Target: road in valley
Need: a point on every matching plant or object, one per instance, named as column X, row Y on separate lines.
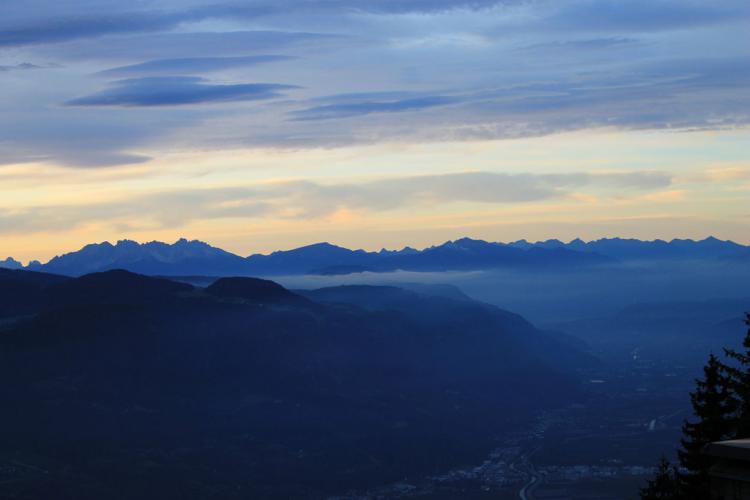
column 527, row 490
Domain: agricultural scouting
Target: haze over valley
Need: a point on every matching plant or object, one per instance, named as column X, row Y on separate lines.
column 357, row 377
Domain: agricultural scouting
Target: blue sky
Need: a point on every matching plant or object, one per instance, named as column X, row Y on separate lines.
column 259, row 125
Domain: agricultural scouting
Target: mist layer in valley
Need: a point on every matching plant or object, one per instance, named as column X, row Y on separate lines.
column 550, row 296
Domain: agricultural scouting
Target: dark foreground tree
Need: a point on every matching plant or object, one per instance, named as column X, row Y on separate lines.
column 721, row 404
column 714, row 407
column 665, row 485
column 739, row 376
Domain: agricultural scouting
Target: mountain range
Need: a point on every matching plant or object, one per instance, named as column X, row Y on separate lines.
column 633, row 249
column 198, row 258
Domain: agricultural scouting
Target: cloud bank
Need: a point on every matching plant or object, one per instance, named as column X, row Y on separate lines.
column 309, row 200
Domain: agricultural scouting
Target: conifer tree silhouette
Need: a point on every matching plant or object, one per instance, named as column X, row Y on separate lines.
column 665, row 485
column 715, row 408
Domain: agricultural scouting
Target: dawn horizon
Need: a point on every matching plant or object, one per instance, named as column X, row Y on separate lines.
column 262, row 127
column 375, row 250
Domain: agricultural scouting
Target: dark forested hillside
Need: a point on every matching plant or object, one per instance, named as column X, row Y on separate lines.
column 118, row 385
column 22, row 292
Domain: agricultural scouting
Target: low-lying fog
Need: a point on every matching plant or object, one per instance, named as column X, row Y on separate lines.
column 552, row 296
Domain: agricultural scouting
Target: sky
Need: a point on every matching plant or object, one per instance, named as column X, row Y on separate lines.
column 264, row 125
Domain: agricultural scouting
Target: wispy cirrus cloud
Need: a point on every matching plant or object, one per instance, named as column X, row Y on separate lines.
column 137, row 47
column 363, row 78
column 20, row 67
column 578, row 17
column 317, row 199
column 85, row 26
column 651, row 96
column 66, row 27
column 190, row 65
column 640, row 15
column 177, row 91
column 584, row 44
column 366, row 107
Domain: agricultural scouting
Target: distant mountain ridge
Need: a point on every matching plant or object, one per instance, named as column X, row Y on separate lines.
column 181, row 257
column 629, row 249
column 198, row 258
column 10, row 263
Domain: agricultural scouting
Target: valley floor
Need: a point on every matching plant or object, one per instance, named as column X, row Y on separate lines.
column 604, row 448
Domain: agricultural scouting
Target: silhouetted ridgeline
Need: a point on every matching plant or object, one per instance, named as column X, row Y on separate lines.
column 197, row 258
column 10, row 263
column 126, row 386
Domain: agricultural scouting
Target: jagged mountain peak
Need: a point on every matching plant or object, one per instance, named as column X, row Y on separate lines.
column 10, row 263
column 154, row 257
column 465, row 241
